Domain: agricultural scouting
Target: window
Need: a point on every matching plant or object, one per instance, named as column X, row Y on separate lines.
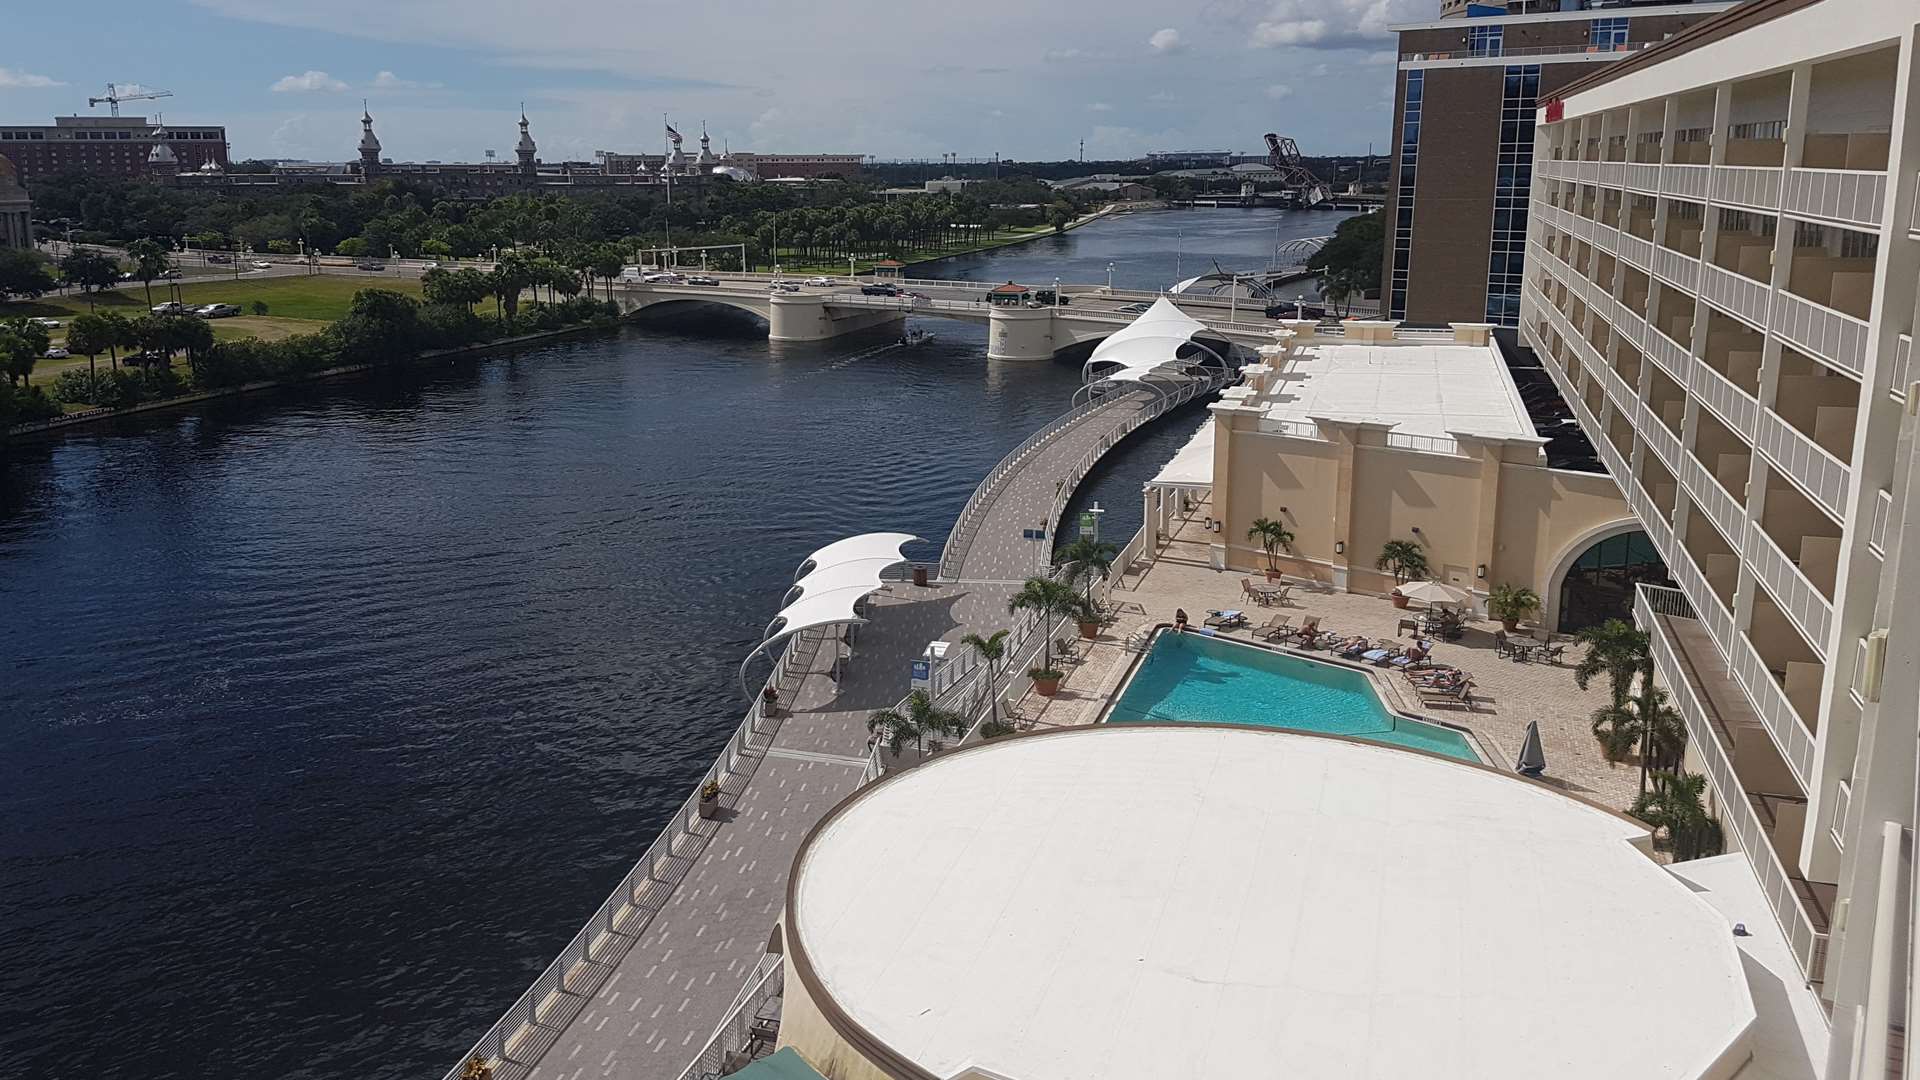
column 1409, row 155
column 1484, row 40
column 1607, row 33
column 1513, row 181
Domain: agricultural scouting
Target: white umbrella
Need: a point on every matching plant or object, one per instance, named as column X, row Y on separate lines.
column 1433, row 592
column 1533, row 756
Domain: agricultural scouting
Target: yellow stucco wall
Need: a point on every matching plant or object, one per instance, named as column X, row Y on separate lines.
column 804, row 1028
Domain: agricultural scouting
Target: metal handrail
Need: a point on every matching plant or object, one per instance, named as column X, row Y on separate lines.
column 764, row 983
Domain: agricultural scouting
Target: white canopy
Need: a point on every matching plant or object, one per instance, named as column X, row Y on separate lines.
column 1193, row 465
column 828, row 584
column 823, row 608
column 1147, row 344
column 865, row 546
column 841, row 575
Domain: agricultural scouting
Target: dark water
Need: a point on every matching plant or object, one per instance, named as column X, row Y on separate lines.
column 1148, row 250
column 327, row 716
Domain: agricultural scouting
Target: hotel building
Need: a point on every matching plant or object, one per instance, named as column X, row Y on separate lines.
column 1456, row 210
column 1722, row 276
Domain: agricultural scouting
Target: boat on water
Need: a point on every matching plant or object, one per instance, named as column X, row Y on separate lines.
column 916, row 337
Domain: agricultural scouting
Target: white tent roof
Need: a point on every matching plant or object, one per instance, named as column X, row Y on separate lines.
column 824, row 608
column 1149, row 342
column 1193, row 465
column 865, row 546
column 841, row 575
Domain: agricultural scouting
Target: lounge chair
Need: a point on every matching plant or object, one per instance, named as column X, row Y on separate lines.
column 1408, row 659
column 1275, row 626
column 1458, row 695
column 1353, row 647
column 1309, row 629
column 1226, row 620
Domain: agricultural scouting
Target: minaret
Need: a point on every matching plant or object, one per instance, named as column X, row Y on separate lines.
column 705, row 160
column 525, row 150
column 161, row 160
column 369, row 144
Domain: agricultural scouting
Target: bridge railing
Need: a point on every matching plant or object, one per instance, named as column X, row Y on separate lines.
column 584, row 961
column 743, row 1029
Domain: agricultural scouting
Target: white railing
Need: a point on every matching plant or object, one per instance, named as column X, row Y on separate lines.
column 1672, row 356
column 734, row 1038
column 1803, row 604
column 1297, row 429
column 1769, row 700
column 1723, row 509
column 1736, row 810
column 1623, row 395
column 983, row 493
column 1684, row 181
column 1677, row 269
column 1852, row 196
column 1712, row 613
column 1606, row 237
column 1900, row 371
column 1745, row 185
column 1821, row 332
column 1612, row 173
column 1658, row 436
column 1636, row 250
column 1823, row 477
column 576, row 972
column 1736, row 294
column 1643, row 177
column 1882, row 513
column 1728, row 401
column 1631, row 325
column 1842, row 802
column 1426, row 444
column 1651, row 515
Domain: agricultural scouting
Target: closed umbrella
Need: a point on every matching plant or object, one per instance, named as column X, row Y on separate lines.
column 1434, row 593
column 1533, row 757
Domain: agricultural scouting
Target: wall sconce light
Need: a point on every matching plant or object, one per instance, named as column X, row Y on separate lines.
column 1216, row 526
column 1208, row 524
column 1339, row 547
column 1481, row 571
column 1284, row 510
column 1416, row 530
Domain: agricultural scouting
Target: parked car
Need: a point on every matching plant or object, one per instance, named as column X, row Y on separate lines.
column 661, row 277
column 784, row 287
column 48, row 324
column 217, row 311
column 261, row 264
column 369, row 265
column 1048, row 298
column 220, row 259
column 702, row 279
column 171, row 273
column 818, row 282
column 125, row 275
column 169, row 308
column 429, row 266
column 57, row 353
column 880, row 289
column 1134, row 309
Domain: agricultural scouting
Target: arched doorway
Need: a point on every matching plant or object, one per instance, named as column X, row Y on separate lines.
column 1598, row 584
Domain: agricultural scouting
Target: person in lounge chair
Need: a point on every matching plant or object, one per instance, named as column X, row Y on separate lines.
column 1407, row 658
column 1352, row 646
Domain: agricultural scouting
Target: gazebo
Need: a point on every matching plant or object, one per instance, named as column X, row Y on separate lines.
column 889, row 270
column 1009, row 295
column 829, row 587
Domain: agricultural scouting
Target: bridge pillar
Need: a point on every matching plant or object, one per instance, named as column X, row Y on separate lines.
column 796, row 317
column 1020, row 333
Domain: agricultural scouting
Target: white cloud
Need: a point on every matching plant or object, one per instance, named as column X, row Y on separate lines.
column 25, row 80
column 387, row 80
column 1166, row 41
column 1331, row 24
column 1279, row 92
column 1099, row 106
column 1055, row 56
column 308, row 83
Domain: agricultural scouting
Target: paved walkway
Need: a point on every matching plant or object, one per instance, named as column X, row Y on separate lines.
column 659, row 1002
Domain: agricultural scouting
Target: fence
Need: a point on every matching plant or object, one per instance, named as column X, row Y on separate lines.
column 589, row 957
column 750, row 1024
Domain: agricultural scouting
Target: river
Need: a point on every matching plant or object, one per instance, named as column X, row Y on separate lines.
column 328, row 714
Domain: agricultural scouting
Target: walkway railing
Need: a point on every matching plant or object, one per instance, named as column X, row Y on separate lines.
column 575, row 974
column 751, row 1023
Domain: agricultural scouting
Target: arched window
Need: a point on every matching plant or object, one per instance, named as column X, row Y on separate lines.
column 1599, row 584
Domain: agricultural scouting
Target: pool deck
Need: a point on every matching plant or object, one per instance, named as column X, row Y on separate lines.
column 1507, row 694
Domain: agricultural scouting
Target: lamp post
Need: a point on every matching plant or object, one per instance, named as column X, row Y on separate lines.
column 1109, row 277
column 1056, row 294
column 1299, row 312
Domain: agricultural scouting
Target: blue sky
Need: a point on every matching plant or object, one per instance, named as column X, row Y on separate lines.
column 445, row 78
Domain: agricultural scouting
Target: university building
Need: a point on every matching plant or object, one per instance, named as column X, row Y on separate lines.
column 1456, row 210
column 107, row 146
column 1722, row 278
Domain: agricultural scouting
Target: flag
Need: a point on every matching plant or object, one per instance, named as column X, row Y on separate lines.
column 672, row 134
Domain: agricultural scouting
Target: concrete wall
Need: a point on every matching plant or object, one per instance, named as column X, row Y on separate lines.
column 806, row 1030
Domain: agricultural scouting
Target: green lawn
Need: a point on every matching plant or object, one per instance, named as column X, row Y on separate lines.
column 318, row 297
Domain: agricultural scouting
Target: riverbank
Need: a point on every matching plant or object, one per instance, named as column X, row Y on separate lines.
column 60, row 423
column 924, row 256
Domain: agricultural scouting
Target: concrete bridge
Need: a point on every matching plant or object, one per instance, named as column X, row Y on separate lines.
column 1016, row 331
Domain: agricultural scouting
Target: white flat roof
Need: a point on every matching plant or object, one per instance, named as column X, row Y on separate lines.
column 1148, row 903
column 1420, row 389
column 1192, row 465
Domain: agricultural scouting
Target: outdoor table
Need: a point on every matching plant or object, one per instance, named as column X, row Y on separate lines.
column 1264, row 593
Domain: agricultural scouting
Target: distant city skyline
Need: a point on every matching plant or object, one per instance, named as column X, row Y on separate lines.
column 445, row 78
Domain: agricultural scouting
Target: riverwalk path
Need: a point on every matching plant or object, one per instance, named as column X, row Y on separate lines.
column 656, row 988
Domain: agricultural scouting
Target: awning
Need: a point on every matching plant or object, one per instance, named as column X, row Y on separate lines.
column 871, row 545
column 1192, row 466
column 827, row 586
column 824, row 608
column 1147, row 344
column 841, row 575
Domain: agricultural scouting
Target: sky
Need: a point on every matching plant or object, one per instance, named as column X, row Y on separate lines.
column 445, row 79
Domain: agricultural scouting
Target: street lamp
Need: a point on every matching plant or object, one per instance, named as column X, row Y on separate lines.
column 1109, row 277
column 1299, row 312
column 1056, row 294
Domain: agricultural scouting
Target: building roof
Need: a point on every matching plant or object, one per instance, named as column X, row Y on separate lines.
column 1192, row 465
column 781, row 1065
column 1729, row 21
column 1419, row 388
column 1162, row 902
column 1011, row 289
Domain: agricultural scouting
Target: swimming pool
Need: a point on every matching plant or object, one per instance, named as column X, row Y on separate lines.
column 1195, row 679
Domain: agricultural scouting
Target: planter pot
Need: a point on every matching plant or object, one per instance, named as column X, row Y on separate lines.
column 1273, row 575
column 1047, row 687
column 709, row 808
column 1089, row 630
column 1509, row 625
column 920, row 575
column 1398, row 600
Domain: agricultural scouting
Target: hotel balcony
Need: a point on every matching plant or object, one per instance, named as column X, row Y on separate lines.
column 1727, row 378
column 1665, row 400
column 1788, row 672
column 1794, row 550
column 1819, row 403
column 1716, row 473
column 1659, row 484
column 1715, row 559
column 1761, row 803
column 1673, row 316
column 1684, row 226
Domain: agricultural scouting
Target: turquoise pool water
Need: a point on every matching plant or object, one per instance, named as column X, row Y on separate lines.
column 1195, row 679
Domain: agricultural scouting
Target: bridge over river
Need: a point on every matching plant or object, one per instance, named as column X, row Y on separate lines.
column 661, row 980
column 1020, row 331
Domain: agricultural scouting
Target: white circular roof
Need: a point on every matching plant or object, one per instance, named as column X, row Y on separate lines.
column 1151, row 903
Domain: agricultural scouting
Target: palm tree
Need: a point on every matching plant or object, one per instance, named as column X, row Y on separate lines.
column 990, row 649
column 1336, row 288
column 1271, row 536
column 1675, row 804
column 1084, row 558
column 921, row 718
column 1614, row 649
column 1048, row 598
column 1404, row 558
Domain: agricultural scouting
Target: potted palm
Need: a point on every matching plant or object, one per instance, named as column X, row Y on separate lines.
column 1046, row 680
column 919, row 719
column 710, row 799
column 990, row 650
column 1083, row 560
column 1406, row 562
column 1511, row 603
column 1271, row 536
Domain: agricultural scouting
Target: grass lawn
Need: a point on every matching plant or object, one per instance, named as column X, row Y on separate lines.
column 319, row 297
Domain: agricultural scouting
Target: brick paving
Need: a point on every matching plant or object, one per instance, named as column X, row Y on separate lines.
column 1507, row 694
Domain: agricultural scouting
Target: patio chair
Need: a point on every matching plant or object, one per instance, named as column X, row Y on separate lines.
column 1457, row 695
column 1246, row 589
column 1552, row 654
column 1353, row 647
column 1500, row 645
column 1226, row 620
column 1406, row 658
column 1309, row 629
column 1275, row 626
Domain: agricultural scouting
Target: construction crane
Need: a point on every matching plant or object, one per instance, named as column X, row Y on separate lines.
column 1283, row 156
column 114, row 97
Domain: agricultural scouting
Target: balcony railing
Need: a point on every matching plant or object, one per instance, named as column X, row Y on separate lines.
column 1684, row 181
column 1643, row 177
column 1721, row 508
column 1900, row 372
column 1823, row 477
column 1631, row 326
column 1803, row 604
column 1749, row 186
column 1821, row 332
column 1651, row 516
column 1489, row 50
column 1790, row 733
column 1672, row 356
column 1659, row 437
column 1635, row 250
column 1882, row 513
column 1845, row 195
column 1651, row 606
column 1727, row 400
column 1678, row 269
column 1736, row 294
column 1706, row 603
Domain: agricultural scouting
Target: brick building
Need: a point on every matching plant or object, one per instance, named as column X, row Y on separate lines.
column 106, row 146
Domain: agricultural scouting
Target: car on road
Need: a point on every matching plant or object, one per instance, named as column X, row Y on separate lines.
column 1134, row 309
column 169, row 308
column 261, row 264
column 220, row 259
column 784, row 287
column 48, row 324
column 217, row 311
column 369, row 265
column 702, row 279
column 661, row 277
column 880, row 289
column 1049, row 298
column 126, row 275
column 818, row 282
column 56, row 353
column 172, row 274
column 429, row 266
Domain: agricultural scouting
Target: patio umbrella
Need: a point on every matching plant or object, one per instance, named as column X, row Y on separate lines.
column 1434, row 593
column 1533, row 758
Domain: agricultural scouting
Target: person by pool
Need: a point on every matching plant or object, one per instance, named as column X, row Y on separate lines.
column 1179, row 620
